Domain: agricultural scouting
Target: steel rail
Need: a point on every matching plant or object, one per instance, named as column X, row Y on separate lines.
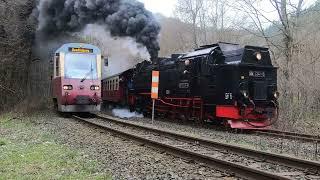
column 270, row 157
column 240, row 170
column 288, row 135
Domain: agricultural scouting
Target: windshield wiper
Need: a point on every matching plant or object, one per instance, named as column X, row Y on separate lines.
column 85, row 77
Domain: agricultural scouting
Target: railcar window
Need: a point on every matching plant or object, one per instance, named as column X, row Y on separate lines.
column 81, row 66
column 57, row 66
column 117, row 85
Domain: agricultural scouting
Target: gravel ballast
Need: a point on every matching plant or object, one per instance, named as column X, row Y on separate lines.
column 290, row 147
column 210, row 151
column 123, row 158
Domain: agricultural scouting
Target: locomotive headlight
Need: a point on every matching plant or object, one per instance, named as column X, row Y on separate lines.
column 258, row 56
column 187, row 62
column 276, row 94
column 93, row 87
column 245, row 94
column 67, row 87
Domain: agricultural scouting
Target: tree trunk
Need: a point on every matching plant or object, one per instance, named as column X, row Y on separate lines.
column 195, row 38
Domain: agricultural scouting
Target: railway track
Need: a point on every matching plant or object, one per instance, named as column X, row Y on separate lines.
column 288, row 135
column 245, row 163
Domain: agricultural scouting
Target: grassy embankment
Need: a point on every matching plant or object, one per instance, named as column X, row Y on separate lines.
column 27, row 152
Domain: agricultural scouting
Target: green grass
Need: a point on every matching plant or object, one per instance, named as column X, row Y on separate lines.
column 26, row 152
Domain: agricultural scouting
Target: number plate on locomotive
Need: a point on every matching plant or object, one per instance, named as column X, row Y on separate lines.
column 257, row 74
column 183, row 85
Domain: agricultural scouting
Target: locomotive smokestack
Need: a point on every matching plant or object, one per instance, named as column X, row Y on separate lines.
column 120, row 17
column 154, row 59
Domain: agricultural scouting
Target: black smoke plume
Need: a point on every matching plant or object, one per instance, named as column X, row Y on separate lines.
column 120, row 17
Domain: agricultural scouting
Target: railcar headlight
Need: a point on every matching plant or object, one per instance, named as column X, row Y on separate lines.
column 67, row 87
column 276, row 94
column 258, row 56
column 187, row 62
column 245, row 94
column 94, row 87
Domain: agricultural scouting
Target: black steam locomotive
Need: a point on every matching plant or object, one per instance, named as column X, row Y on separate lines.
column 221, row 82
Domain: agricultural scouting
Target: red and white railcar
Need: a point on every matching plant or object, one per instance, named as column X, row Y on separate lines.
column 76, row 80
column 115, row 88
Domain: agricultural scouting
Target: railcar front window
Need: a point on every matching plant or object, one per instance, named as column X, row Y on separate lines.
column 78, row 66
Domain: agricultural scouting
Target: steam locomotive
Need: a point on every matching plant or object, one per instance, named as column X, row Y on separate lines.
column 223, row 83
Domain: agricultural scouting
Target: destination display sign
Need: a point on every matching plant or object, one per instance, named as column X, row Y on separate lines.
column 81, row 50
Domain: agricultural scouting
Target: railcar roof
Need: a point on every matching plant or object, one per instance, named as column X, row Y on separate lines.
column 118, row 74
column 65, row 48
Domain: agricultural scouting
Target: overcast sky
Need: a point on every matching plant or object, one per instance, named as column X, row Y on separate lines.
column 164, row 7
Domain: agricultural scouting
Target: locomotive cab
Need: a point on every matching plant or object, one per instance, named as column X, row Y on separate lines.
column 76, row 78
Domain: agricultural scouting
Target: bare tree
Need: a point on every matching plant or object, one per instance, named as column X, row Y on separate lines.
column 189, row 12
column 15, row 50
column 203, row 21
column 217, row 10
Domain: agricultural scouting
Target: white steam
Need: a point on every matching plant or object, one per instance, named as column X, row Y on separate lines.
column 123, row 52
column 125, row 113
